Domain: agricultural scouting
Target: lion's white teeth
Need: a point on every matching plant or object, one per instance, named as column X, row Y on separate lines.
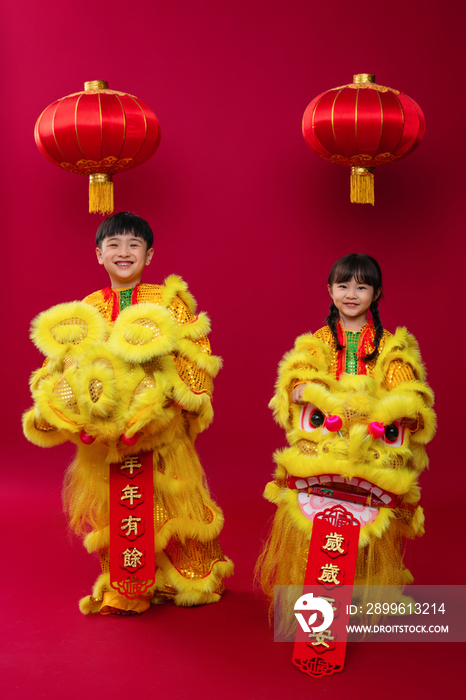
column 365, row 485
column 338, row 479
column 385, row 498
column 301, row 484
column 311, row 504
column 312, row 480
column 376, row 491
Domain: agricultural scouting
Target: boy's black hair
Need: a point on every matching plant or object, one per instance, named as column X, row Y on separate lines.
column 124, row 222
column 366, row 270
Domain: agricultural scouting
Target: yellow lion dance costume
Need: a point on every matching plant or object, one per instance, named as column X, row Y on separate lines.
column 375, row 477
column 150, row 372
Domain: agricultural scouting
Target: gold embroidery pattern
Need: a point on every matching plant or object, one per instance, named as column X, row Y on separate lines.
column 362, row 160
column 192, row 559
column 88, row 167
column 196, row 379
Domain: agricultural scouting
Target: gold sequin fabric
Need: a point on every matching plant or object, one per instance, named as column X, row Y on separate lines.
column 103, row 306
column 151, row 293
column 65, row 392
column 151, row 366
column 73, row 321
column 325, row 335
column 195, row 378
column 307, row 447
column 203, row 344
column 146, row 383
column 160, row 514
column 104, row 558
column 147, row 323
column 398, row 372
column 42, row 425
column 95, row 390
column 193, row 559
column 180, row 312
column 198, row 380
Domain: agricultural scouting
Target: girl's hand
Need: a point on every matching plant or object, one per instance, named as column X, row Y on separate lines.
column 297, row 394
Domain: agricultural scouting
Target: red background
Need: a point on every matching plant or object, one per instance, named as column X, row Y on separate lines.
column 253, row 220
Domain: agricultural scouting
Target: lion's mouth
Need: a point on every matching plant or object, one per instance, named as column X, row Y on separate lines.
column 361, row 497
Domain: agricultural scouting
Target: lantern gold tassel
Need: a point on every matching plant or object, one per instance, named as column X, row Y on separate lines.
column 362, row 186
column 100, row 193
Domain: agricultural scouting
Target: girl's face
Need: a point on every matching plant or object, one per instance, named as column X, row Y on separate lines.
column 353, row 299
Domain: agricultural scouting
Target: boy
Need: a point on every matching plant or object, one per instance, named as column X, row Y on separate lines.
column 133, row 393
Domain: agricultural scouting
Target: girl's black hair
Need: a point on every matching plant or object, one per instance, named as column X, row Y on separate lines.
column 124, row 222
column 365, row 270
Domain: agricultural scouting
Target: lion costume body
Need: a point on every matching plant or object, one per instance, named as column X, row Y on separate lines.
column 110, row 378
column 372, row 472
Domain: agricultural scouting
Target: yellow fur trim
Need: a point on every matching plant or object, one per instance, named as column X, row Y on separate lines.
column 42, row 438
column 197, row 403
column 98, row 539
column 197, row 329
column 175, row 286
column 209, row 363
column 400, row 346
column 191, row 591
column 70, row 328
column 143, row 331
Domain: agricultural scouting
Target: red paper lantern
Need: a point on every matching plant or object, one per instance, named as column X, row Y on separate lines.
column 363, row 126
column 98, row 132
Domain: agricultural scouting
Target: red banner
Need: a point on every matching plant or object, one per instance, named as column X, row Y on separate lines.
column 329, row 576
column 132, row 558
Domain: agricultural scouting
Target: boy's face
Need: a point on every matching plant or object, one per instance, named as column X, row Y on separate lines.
column 124, row 257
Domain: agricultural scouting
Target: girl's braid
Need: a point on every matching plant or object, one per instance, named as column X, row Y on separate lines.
column 378, row 331
column 331, row 321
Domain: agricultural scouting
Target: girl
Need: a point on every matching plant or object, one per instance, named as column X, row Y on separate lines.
column 355, row 287
column 357, row 442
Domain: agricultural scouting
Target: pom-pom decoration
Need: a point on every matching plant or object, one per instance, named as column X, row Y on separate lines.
column 85, row 438
column 98, row 133
column 376, row 429
column 363, row 126
column 333, row 423
column 130, row 441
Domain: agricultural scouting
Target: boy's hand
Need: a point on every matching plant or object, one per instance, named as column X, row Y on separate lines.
column 297, row 394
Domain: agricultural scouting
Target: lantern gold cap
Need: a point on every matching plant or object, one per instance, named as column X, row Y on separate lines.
column 363, row 78
column 95, row 85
